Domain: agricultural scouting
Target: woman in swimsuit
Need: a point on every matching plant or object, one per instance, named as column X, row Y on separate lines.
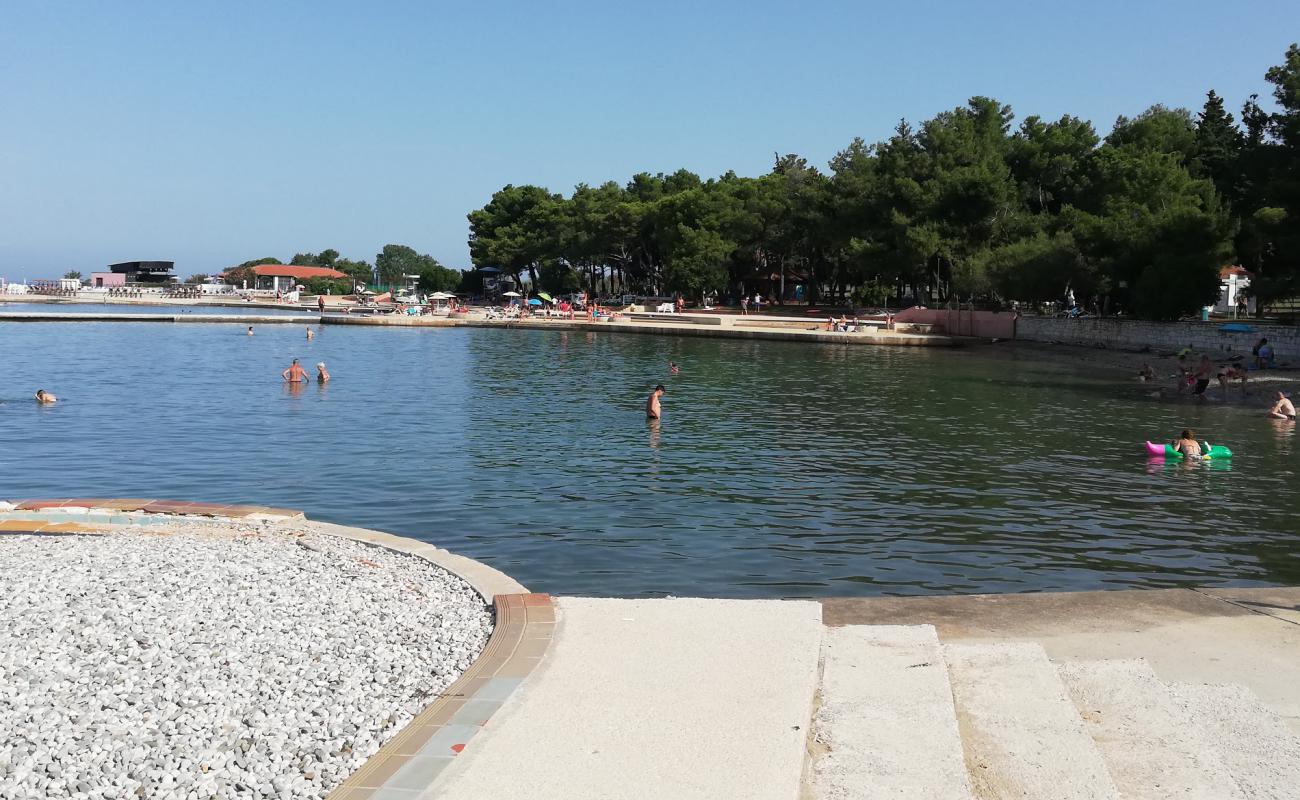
column 1187, row 445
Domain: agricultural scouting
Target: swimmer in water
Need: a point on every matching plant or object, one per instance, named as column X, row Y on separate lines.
column 1146, row 373
column 652, row 403
column 45, row 398
column 322, row 374
column 673, row 368
column 309, row 334
column 250, row 330
column 295, row 373
column 1187, row 445
column 1283, row 408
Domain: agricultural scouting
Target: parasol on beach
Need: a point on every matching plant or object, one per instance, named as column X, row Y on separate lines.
column 511, row 294
column 534, row 302
column 546, row 297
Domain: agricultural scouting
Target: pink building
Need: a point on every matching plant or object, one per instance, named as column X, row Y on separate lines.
column 98, row 279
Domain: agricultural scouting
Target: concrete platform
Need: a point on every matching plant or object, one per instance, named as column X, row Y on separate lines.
column 1249, row 637
column 676, row 698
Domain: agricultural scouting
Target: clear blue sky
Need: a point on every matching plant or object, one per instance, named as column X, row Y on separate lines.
column 213, row 132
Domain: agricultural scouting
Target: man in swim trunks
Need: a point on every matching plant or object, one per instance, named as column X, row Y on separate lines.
column 1203, row 372
column 1283, row 408
column 652, row 403
column 295, row 373
column 45, row 398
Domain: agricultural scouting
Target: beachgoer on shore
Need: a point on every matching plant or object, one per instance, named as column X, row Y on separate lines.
column 1187, row 445
column 744, row 304
column 45, row 398
column 322, row 374
column 1263, row 352
column 1283, row 408
column 652, row 409
column 1229, row 374
column 294, row 373
column 320, row 303
column 1203, row 372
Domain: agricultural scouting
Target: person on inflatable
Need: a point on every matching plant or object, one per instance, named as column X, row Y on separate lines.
column 1187, row 445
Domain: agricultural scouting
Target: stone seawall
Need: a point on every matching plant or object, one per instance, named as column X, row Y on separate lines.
column 1126, row 334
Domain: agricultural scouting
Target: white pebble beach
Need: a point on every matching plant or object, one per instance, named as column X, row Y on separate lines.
column 216, row 660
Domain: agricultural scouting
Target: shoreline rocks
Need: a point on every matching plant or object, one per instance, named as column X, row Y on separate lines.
column 215, row 661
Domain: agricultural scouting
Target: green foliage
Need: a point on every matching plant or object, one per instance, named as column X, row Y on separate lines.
column 358, row 271
column 73, row 274
column 325, row 258
column 198, row 278
column 327, row 285
column 960, row 206
column 242, row 275
column 259, row 261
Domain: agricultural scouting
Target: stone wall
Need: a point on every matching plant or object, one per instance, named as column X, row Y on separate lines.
column 1127, row 334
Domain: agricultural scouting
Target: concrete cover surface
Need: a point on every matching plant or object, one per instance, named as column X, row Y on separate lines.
column 1238, row 636
column 678, row 698
column 1152, row 754
column 1023, row 736
column 887, row 718
column 1259, row 750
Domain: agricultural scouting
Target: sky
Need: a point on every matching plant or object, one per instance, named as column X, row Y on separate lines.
column 211, row 132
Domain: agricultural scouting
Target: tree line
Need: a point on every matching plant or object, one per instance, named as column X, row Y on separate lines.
column 392, row 265
column 962, row 207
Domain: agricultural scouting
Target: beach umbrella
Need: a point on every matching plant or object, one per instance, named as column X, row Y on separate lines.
column 546, row 297
column 441, row 296
column 511, row 294
column 534, row 302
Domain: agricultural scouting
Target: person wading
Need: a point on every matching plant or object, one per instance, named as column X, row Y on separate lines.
column 652, row 403
column 295, row 373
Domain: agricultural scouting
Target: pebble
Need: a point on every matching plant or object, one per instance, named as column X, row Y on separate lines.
column 216, row 660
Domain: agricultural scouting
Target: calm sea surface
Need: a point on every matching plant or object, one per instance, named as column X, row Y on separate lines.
column 779, row 469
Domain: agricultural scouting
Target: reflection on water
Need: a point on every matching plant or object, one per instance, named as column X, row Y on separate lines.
column 778, row 469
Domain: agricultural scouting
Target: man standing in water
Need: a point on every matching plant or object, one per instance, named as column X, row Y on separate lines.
column 652, row 403
column 295, row 373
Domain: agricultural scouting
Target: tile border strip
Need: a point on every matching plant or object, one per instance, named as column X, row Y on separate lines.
column 410, row 763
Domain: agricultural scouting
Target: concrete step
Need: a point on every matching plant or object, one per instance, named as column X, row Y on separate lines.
column 1150, row 752
column 886, row 717
column 1258, row 748
column 1023, row 737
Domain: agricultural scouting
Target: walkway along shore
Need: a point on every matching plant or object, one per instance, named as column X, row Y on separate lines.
column 719, row 326
column 1054, row 696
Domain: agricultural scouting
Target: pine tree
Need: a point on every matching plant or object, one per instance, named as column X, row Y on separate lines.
column 1218, row 147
